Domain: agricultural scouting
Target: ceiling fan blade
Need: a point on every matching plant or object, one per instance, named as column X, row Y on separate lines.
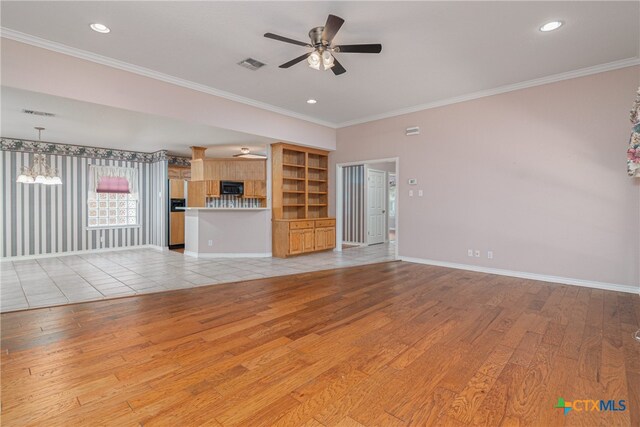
column 286, row 39
column 337, row 67
column 359, row 48
column 295, row 61
column 331, row 27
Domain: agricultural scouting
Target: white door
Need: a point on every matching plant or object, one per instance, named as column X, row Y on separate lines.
column 376, row 206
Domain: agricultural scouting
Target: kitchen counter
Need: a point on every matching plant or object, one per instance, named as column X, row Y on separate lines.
column 227, row 232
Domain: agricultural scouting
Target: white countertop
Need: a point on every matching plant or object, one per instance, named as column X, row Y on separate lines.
column 223, row 209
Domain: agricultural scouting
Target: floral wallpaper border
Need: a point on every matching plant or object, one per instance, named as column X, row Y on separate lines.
column 43, row 147
column 179, row 161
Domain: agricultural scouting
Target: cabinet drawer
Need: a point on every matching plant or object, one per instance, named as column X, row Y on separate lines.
column 326, row 223
column 295, row 225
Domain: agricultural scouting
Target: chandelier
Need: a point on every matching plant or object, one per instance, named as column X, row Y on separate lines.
column 40, row 172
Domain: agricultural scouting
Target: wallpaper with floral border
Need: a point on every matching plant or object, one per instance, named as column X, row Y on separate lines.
column 633, row 153
column 179, row 161
column 29, row 146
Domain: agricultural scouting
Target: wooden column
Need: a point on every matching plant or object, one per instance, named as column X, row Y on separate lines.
column 197, row 153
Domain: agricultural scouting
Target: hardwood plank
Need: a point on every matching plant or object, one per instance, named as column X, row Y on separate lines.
column 385, row 344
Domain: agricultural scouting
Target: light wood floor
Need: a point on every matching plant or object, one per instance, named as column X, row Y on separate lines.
column 380, row 345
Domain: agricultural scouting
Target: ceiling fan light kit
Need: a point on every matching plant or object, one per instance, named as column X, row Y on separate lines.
column 322, row 55
column 245, row 153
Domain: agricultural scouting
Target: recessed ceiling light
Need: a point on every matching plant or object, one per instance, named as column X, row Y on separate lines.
column 311, row 101
column 550, row 26
column 100, row 28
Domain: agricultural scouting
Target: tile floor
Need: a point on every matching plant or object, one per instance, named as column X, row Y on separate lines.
column 48, row 282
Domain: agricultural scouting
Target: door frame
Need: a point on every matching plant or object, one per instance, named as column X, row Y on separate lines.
column 340, row 194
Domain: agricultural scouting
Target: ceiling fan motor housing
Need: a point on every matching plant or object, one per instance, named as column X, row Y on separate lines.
column 316, row 37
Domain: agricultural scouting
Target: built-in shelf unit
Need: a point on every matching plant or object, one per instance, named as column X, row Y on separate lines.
column 300, row 192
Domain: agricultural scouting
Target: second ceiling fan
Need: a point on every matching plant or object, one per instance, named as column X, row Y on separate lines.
column 323, row 51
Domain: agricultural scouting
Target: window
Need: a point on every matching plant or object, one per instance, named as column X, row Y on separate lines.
column 112, row 209
column 113, row 197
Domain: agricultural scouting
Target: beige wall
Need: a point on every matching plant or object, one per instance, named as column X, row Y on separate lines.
column 536, row 175
column 41, row 70
column 233, row 232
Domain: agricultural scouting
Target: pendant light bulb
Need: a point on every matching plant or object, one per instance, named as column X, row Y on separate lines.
column 327, row 59
column 314, row 60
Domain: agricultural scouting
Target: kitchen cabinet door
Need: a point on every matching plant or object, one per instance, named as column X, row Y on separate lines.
column 325, row 238
column 213, row 188
column 309, row 240
column 176, row 236
column 176, row 189
column 321, row 239
column 296, row 242
column 330, row 238
column 260, row 189
column 196, row 194
column 249, row 188
column 255, row 189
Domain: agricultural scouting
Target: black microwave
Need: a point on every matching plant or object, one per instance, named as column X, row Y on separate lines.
column 234, row 188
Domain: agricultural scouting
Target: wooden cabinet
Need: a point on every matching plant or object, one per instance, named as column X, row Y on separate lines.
column 300, row 200
column 309, row 241
column 296, row 242
column 179, row 172
column 228, row 169
column 176, row 189
column 325, row 238
column 295, row 237
column 213, row 188
column 196, row 194
column 176, row 236
column 198, row 191
column 255, row 189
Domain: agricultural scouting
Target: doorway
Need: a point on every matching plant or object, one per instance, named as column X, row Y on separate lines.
column 391, row 206
column 366, row 204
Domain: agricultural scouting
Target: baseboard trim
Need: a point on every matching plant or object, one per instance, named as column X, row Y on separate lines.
column 82, row 252
column 524, row 275
column 228, row 255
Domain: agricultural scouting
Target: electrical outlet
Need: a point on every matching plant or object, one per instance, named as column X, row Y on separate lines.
column 470, row 252
column 420, row 193
column 210, row 242
column 410, row 193
column 477, row 253
column 490, row 254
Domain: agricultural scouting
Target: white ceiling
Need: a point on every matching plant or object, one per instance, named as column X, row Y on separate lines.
column 432, row 51
column 83, row 123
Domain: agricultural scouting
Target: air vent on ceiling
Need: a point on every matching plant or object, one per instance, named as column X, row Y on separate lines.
column 252, row 64
column 38, row 113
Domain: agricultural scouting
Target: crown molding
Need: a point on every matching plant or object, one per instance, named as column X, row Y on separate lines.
column 609, row 66
column 146, row 72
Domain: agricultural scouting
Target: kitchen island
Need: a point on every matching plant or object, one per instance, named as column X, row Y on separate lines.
column 227, row 232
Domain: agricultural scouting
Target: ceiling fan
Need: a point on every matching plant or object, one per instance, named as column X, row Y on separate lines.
column 323, row 51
